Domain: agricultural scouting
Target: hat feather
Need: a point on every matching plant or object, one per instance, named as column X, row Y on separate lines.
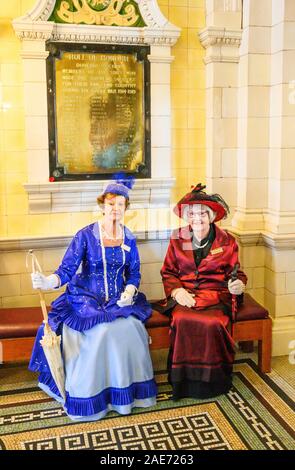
column 123, row 178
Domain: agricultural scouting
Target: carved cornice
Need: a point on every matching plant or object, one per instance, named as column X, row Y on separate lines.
column 104, row 35
column 33, row 35
column 211, row 36
column 220, row 44
column 113, row 35
column 27, row 30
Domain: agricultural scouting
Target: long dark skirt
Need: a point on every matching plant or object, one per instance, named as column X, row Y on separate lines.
column 201, row 354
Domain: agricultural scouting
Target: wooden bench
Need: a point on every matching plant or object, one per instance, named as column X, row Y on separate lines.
column 18, row 328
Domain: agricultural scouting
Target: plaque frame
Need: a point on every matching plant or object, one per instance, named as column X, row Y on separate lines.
column 55, row 49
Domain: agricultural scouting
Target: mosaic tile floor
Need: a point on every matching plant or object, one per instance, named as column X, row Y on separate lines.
column 258, row 413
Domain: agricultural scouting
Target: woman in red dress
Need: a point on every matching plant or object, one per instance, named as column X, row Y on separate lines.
column 197, row 280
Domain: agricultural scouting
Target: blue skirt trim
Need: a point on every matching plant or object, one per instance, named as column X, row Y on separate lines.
column 47, row 379
column 110, row 396
column 84, row 316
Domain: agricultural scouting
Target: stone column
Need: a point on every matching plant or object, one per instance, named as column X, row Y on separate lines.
column 280, row 218
column 280, row 213
column 221, row 38
column 253, row 116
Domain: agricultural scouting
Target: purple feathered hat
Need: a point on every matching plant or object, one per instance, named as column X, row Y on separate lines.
column 120, row 185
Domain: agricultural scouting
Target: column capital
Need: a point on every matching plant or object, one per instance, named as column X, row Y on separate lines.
column 221, row 44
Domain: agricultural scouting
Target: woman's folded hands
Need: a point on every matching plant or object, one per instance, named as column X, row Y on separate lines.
column 183, row 297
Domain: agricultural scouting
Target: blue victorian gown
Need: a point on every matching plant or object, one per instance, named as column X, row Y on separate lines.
column 104, row 347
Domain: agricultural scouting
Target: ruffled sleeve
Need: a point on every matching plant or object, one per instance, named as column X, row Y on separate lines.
column 72, row 258
column 132, row 269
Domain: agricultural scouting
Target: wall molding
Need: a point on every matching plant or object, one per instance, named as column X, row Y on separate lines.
column 245, row 239
column 77, row 196
column 61, row 241
column 263, row 238
column 279, row 242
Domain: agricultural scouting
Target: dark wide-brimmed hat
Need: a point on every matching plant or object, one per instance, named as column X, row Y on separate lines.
column 198, row 196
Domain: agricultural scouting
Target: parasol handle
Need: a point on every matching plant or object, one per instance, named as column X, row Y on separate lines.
column 234, row 276
column 35, row 263
column 43, row 307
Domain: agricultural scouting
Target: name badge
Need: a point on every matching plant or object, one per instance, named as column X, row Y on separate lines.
column 125, row 247
column 216, row 251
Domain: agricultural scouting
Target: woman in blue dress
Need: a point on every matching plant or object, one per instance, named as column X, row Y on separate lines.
column 101, row 318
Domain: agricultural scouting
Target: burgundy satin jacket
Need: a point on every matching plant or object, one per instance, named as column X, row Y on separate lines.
column 209, row 280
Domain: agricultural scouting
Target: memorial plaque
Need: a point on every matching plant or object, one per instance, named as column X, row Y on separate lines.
column 99, row 108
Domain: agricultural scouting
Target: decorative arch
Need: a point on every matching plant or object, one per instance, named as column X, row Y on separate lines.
column 154, row 28
column 98, row 12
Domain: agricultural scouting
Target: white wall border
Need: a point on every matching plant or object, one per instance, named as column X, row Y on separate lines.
column 80, row 196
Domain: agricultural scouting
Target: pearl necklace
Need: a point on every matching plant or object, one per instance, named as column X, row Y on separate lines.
column 201, row 246
column 108, row 236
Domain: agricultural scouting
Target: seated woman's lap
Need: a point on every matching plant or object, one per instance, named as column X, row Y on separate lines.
column 213, row 317
column 200, row 335
column 110, row 354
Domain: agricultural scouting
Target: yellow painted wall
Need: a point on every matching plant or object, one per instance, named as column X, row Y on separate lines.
column 187, row 93
column 188, row 123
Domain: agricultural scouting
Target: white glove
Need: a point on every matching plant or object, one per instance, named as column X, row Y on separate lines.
column 127, row 296
column 236, row 287
column 183, row 297
column 42, row 282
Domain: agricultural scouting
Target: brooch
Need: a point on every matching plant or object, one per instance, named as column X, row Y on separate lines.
column 216, row 251
column 125, row 247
